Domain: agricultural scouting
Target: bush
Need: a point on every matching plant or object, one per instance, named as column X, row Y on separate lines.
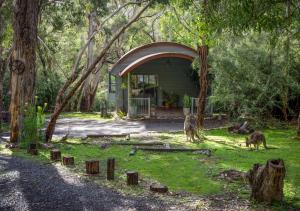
column 33, row 123
column 187, row 102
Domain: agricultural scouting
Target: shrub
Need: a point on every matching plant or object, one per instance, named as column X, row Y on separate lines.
column 187, row 101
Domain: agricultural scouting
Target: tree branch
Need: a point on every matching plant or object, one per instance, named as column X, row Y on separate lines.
column 62, row 102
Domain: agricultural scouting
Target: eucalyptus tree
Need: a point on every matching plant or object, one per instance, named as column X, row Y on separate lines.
column 280, row 18
column 75, row 80
column 5, row 43
column 187, row 22
column 23, row 61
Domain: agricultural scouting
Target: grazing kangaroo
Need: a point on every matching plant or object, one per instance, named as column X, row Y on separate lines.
column 190, row 129
column 256, row 138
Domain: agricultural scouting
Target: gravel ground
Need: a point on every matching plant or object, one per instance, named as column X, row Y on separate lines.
column 29, row 185
column 82, row 127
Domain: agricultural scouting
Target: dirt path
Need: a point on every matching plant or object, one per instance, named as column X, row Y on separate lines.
column 28, row 185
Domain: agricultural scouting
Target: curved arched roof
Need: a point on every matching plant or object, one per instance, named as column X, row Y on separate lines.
column 138, row 56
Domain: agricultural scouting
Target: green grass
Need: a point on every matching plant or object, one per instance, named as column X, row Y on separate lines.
column 80, row 115
column 191, row 172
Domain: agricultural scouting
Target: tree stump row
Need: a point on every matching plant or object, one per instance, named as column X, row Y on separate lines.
column 92, row 166
column 55, row 155
column 266, row 181
column 132, row 178
column 111, row 169
column 68, row 160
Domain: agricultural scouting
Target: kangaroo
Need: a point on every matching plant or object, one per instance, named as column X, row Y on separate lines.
column 256, row 138
column 189, row 129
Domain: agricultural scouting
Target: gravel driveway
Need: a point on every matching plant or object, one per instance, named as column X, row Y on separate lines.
column 28, row 185
column 82, row 127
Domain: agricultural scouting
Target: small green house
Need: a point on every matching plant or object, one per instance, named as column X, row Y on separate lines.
column 151, row 80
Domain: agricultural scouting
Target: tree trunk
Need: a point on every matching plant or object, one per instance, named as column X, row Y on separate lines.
column 266, row 181
column 203, row 53
column 2, row 72
column 298, row 130
column 22, row 64
column 63, row 99
column 85, row 103
column 285, row 91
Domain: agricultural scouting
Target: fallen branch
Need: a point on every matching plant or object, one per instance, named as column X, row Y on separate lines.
column 156, row 149
column 107, row 135
column 137, row 143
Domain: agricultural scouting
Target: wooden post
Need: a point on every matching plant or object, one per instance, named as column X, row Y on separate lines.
column 159, row 188
column 266, row 181
column 68, row 160
column 92, row 166
column 55, row 155
column 111, row 169
column 132, row 178
column 32, row 149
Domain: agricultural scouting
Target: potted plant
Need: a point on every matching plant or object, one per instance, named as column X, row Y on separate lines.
column 186, row 105
column 153, row 110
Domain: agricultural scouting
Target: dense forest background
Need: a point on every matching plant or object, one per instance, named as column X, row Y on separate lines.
column 254, row 61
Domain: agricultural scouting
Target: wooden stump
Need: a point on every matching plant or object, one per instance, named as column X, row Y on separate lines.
column 159, row 188
column 92, row 166
column 55, row 155
column 32, row 146
column 266, row 181
column 32, row 149
column 111, row 169
column 68, row 160
column 132, row 178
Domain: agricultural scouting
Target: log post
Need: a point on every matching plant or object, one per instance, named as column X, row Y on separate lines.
column 132, row 178
column 92, row 166
column 159, row 188
column 55, row 155
column 68, row 160
column 32, row 149
column 111, row 169
column 266, row 181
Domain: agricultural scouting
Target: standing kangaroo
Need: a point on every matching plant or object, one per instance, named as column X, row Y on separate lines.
column 190, row 130
column 256, row 138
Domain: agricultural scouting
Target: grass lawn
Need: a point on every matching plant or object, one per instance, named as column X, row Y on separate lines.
column 193, row 172
column 80, row 115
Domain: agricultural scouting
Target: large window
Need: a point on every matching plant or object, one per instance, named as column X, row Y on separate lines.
column 144, row 86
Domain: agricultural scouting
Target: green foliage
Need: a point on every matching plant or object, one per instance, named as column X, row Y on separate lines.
column 170, row 98
column 249, row 76
column 187, row 102
column 33, row 122
column 121, row 114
